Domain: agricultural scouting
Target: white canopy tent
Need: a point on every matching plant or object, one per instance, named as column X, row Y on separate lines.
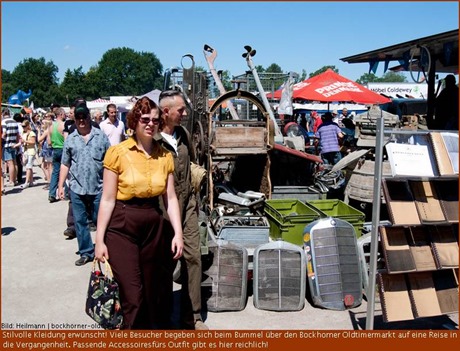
column 152, row 95
column 99, row 103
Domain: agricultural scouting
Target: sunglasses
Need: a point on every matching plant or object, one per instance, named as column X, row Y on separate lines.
column 81, row 116
column 147, row 120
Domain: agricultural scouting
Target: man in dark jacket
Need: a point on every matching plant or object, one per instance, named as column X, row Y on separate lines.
column 177, row 139
column 446, row 113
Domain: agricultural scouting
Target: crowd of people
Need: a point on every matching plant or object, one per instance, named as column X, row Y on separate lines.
column 132, row 185
column 332, row 133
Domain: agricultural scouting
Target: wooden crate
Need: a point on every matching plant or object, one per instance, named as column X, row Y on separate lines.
column 239, row 140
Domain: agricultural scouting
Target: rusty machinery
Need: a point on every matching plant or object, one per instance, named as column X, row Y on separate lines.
column 193, row 84
column 224, row 139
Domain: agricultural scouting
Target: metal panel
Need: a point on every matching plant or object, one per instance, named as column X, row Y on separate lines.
column 279, row 277
column 228, row 274
column 334, row 270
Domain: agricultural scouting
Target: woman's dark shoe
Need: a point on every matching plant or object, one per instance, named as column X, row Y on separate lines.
column 83, row 260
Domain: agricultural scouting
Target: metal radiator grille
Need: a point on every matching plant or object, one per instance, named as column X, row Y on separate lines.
column 279, row 277
column 228, row 274
column 337, row 278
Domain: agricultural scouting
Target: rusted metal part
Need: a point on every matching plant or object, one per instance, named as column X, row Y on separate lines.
column 310, row 157
column 199, row 143
column 239, row 137
column 210, row 59
column 238, row 94
column 248, row 56
column 234, row 138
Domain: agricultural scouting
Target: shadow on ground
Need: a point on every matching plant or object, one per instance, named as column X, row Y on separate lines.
column 8, row 230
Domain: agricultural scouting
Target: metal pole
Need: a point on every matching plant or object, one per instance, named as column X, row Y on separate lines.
column 375, row 223
column 264, row 98
column 247, row 102
column 273, row 87
column 431, row 98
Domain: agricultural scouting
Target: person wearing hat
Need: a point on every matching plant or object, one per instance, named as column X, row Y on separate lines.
column 315, row 121
column 329, row 134
column 70, row 127
column 82, row 157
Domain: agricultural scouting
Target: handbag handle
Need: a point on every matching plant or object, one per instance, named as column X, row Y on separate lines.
column 108, row 268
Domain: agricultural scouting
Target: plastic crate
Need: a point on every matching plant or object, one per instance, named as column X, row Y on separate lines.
column 247, row 231
column 339, row 209
column 302, row 193
column 288, row 218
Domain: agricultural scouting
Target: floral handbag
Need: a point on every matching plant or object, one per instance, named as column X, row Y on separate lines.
column 103, row 298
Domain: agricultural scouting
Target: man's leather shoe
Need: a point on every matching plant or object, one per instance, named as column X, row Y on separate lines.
column 52, row 199
column 70, row 233
column 83, row 260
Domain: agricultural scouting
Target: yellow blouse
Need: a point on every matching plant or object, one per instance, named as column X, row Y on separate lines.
column 139, row 175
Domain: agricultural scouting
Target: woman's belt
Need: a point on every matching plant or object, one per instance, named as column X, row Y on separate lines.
column 150, row 202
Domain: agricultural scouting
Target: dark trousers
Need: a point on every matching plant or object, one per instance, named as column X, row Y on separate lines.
column 331, row 158
column 191, row 271
column 84, row 207
column 57, row 155
column 19, row 178
column 70, row 220
column 138, row 240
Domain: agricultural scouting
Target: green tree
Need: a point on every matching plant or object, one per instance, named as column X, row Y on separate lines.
column 123, row 71
column 75, row 85
column 92, row 84
column 227, row 80
column 367, row 78
column 40, row 77
column 323, row 69
column 274, row 68
column 7, row 87
column 259, row 69
column 303, row 75
column 394, row 77
column 390, row 77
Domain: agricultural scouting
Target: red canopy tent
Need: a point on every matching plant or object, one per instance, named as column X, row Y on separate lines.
column 330, row 86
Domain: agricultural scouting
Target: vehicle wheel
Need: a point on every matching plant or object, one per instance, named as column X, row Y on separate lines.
column 423, row 62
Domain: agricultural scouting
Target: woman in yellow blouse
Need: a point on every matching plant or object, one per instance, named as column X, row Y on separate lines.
column 131, row 230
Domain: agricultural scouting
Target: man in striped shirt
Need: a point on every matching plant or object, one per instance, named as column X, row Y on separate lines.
column 329, row 135
column 10, row 141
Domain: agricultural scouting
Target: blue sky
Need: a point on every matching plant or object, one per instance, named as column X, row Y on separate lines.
column 295, row 35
